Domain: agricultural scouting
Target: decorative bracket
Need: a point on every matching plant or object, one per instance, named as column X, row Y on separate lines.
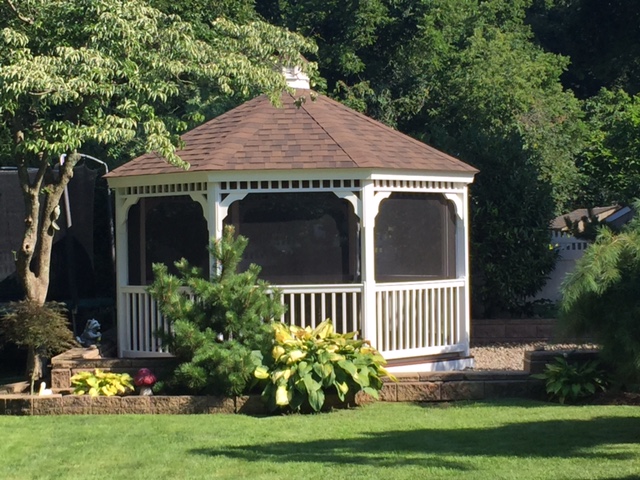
column 457, row 201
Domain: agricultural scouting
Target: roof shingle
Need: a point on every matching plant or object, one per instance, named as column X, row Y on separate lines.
column 319, row 134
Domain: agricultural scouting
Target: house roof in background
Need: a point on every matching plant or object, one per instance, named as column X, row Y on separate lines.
column 613, row 213
column 320, row 134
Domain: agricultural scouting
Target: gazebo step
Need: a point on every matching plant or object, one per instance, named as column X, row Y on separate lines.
column 432, row 363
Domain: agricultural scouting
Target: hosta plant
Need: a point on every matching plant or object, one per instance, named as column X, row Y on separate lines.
column 307, row 363
column 98, row 383
column 569, row 382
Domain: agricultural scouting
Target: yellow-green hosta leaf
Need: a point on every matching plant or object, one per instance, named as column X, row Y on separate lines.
column 336, row 357
column 282, row 396
column 324, row 329
column 343, row 387
column 92, row 382
column 295, row 355
column 277, row 352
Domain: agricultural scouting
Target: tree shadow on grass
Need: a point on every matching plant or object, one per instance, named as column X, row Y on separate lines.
column 426, row 447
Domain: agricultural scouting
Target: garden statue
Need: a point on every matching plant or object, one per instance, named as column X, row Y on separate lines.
column 145, row 380
column 91, row 334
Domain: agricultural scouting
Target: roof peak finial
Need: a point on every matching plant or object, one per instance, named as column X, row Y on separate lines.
column 296, row 78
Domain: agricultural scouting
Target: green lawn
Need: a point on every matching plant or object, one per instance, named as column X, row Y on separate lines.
column 510, row 439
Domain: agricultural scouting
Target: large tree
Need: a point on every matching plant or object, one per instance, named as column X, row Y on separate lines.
column 466, row 77
column 112, row 72
column 610, row 163
column 602, row 39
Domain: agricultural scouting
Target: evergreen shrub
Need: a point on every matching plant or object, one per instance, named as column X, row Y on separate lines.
column 219, row 321
column 601, row 301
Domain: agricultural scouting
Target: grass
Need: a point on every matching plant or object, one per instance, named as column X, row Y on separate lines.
column 493, row 440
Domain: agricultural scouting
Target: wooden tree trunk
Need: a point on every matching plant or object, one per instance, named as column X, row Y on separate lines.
column 41, row 200
column 36, row 367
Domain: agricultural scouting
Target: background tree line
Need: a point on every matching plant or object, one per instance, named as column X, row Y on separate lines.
column 540, row 95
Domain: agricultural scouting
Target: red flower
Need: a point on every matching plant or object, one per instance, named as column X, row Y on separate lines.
column 144, row 378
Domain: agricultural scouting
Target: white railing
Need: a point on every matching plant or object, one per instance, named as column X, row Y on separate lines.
column 307, row 305
column 421, row 318
column 139, row 319
column 412, row 319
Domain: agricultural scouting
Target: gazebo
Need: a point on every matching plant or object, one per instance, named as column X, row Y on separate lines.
column 349, row 218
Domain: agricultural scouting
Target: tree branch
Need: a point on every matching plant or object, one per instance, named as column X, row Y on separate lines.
column 21, row 17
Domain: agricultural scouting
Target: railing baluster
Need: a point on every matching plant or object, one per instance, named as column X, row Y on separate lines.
column 344, row 312
column 303, row 317
column 437, row 293
column 283, row 303
column 333, row 307
column 292, row 308
column 432, row 318
column 421, row 319
column 394, row 319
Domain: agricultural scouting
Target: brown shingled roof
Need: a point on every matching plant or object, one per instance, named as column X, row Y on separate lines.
column 318, row 135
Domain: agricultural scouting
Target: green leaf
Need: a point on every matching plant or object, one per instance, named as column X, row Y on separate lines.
column 316, row 399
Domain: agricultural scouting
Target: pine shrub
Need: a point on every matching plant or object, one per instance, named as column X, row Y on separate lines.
column 601, row 301
column 219, row 322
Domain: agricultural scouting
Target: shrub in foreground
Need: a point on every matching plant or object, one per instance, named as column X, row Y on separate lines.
column 569, row 382
column 305, row 364
column 600, row 299
column 218, row 321
column 99, row 383
column 42, row 329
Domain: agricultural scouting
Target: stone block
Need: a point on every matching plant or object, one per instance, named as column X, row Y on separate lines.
column 521, row 330
column 217, row 404
column 76, row 404
column 135, row 404
column 17, row 406
column 463, row 390
column 195, row 404
column 60, row 378
column 545, row 330
column 170, row 405
column 536, row 389
column 441, row 376
column 249, row 405
column 364, row 398
column 407, row 377
column 48, row 405
column 419, row 392
column 389, row 392
column 487, row 331
column 506, row 389
column 106, row 405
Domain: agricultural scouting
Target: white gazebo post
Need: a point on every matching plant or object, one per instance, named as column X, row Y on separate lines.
column 123, row 204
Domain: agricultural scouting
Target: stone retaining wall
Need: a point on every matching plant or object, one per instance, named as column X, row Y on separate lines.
column 423, row 387
column 508, row 330
column 535, row 361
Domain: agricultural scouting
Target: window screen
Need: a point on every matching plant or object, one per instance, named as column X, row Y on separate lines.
column 163, row 230
column 415, row 238
column 298, row 238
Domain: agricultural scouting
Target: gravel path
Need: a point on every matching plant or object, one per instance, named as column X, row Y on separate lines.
column 510, row 356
